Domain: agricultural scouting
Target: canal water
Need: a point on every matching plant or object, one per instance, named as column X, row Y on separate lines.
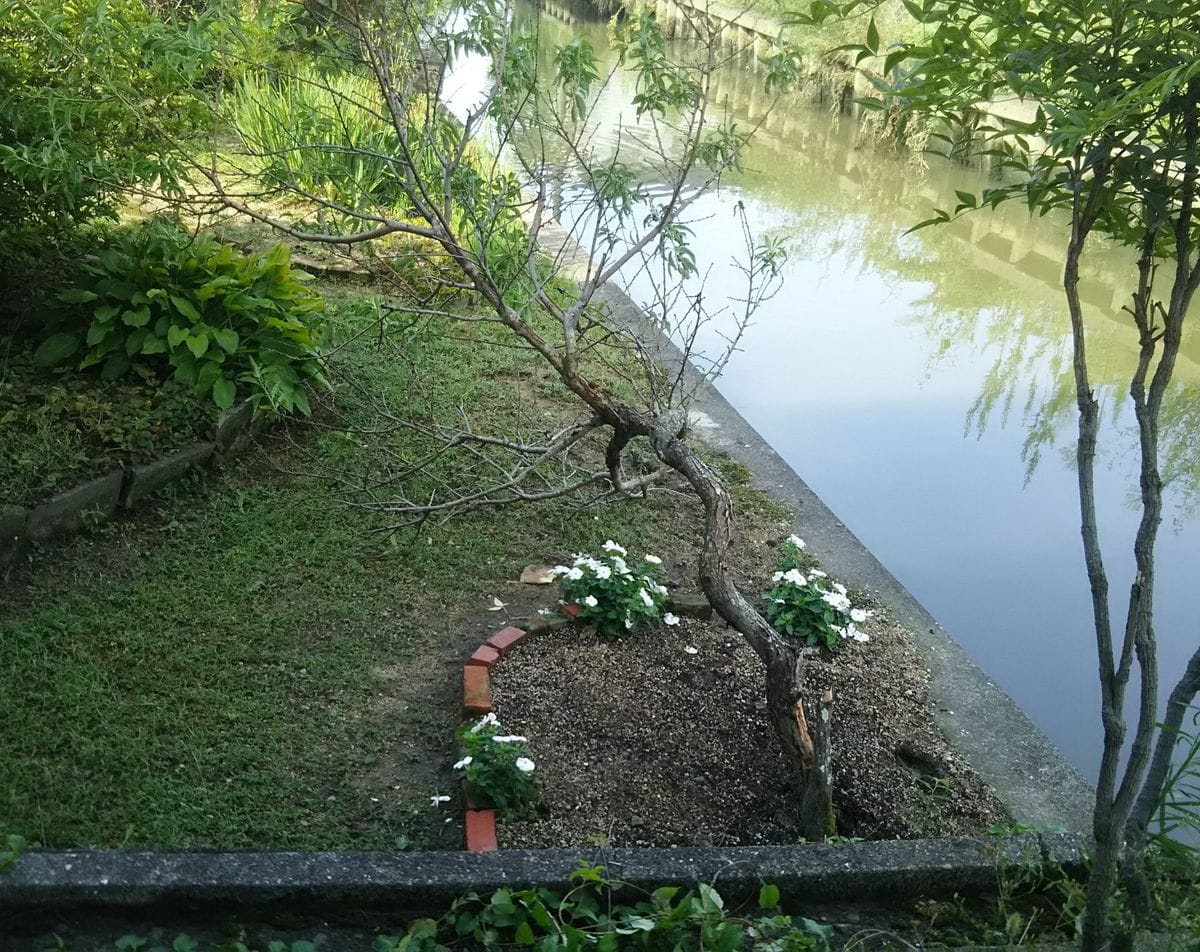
column 920, row 383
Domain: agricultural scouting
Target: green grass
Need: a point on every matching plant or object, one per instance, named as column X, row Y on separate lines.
column 254, row 664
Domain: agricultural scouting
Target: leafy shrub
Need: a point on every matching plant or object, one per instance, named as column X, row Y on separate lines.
column 329, row 136
column 591, row 915
column 616, row 598
column 220, row 318
column 498, row 765
column 806, row 604
column 69, row 141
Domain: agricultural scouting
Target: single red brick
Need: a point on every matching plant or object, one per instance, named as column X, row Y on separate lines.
column 570, row 611
column 506, row 638
column 477, row 689
column 481, row 831
column 485, row 656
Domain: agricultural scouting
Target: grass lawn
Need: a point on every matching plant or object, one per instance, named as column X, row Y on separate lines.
column 250, row 663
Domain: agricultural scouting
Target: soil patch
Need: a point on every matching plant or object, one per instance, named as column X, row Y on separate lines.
column 645, row 742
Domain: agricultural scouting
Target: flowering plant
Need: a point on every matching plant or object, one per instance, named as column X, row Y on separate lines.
column 610, row 593
column 498, row 765
column 805, row 603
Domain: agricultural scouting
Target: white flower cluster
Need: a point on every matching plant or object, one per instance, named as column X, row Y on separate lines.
column 524, row 764
column 613, row 567
column 832, row 594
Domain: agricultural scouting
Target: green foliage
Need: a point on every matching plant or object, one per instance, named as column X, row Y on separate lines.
column 11, row 848
column 326, row 135
column 498, row 765
column 616, row 598
column 575, row 64
column 661, row 85
column 92, row 98
column 598, row 913
column 1176, row 829
column 805, row 604
column 220, row 318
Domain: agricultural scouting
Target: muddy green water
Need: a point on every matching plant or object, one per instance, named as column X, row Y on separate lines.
column 904, row 377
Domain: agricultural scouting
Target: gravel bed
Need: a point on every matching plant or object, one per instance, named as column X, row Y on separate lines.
column 662, row 739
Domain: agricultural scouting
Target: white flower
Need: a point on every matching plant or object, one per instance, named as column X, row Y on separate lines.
column 560, row 570
column 484, row 721
column 690, row 650
column 645, row 597
column 669, row 619
column 628, row 622
column 438, row 799
column 654, row 586
column 777, row 577
column 856, row 634
column 652, row 559
column 575, row 574
column 818, row 573
column 590, row 601
column 511, row 739
column 836, row 600
column 462, row 763
column 525, row 765
column 794, row 576
column 620, row 565
column 779, row 601
column 857, row 614
column 611, row 546
column 603, row 572
column 839, row 588
column 796, row 541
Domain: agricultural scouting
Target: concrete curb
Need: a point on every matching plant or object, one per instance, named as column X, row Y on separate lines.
column 427, row 882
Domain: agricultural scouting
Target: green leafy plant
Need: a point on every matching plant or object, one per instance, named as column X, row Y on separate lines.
column 616, row 598
column 498, row 766
column 592, row 915
column 70, row 139
column 804, row 603
column 220, row 318
column 11, row 848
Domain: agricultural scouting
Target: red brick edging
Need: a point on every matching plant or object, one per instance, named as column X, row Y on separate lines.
column 480, row 820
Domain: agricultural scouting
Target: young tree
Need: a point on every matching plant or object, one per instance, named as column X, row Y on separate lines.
column 365, row 146
column 1115, row 90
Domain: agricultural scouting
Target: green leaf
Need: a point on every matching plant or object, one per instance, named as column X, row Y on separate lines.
column 185, row 307
column 224, row 391
column 197, row 344
column 115, row 366
column 106, row 312
column 154, row 345
column 55, row 349
column 524, row 934
column 137, row 317
column 176, row 335
column 227, row 339
column 872, row 36
column 768, row 896
column 76, row 296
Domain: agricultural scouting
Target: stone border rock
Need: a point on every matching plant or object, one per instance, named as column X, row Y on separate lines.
column 96, row 500
column 107, row 881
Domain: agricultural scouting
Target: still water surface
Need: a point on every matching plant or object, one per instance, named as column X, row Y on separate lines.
column 902, row 376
